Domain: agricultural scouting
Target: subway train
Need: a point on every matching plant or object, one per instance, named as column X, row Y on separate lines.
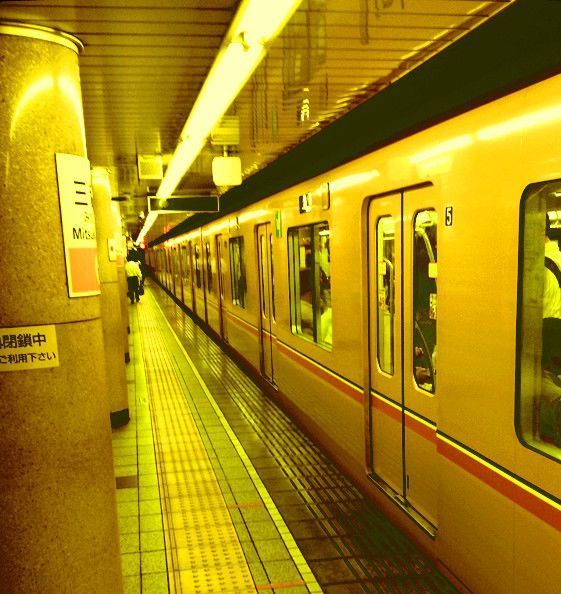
column 401, row 308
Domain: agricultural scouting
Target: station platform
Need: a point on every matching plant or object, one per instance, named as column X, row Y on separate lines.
column 218, row 491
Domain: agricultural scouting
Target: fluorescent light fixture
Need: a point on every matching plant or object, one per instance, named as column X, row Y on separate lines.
column 255, row 25
column 148, row 222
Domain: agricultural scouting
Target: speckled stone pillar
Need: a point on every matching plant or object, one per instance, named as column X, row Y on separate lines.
column 108, row 231
column 58, row 521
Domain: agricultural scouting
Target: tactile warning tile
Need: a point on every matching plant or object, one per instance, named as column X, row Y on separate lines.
column 226, row 581
column 202, row 548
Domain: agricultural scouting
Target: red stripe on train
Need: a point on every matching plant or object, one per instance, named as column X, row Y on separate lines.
column 354, row 393
column 538, row 507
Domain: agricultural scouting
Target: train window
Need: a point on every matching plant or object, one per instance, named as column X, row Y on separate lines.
column 186, row 269
column 220, row 266
column 424, row 299
column 310, row 283
column 272, row 276
column 538, row 373
column 263, row 275
column 385, row 258
column 237, row 271
column 208, row 267
column 198, row 276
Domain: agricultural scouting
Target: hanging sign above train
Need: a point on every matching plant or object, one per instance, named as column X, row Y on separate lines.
column 78, row 225
column 185, row 204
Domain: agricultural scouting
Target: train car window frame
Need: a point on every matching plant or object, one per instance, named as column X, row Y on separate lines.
column 274, row 313
column 538, row 320
column 425, row 306
column 237, row 271
column 309, row 254
column 198, row 269
column 186, row 269
column 385, row 291
column 208, row 255
column 263, row 276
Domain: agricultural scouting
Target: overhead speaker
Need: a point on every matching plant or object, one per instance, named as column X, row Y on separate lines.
column 150, row 167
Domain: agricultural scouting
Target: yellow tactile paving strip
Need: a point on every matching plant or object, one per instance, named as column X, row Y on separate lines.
column 202, row 547
column 308, row 579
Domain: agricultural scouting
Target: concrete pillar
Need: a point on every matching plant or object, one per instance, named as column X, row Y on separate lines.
column 108, row 237
column 58, row 521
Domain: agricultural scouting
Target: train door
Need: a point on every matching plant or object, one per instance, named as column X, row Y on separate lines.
column 221, row 284
column 266, row 301
column 402, row 411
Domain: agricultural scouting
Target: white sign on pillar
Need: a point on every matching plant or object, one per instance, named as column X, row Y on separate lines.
column 78, row 225
column 28, row 347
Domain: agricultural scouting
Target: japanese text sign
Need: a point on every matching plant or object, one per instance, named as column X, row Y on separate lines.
column 28, row 347
column 78, row 225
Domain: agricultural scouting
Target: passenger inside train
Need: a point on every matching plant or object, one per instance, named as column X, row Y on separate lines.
column 424, row 300
column 310, row 283
column 539, row 417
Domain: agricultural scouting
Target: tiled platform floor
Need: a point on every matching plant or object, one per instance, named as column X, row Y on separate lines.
column 218, row 491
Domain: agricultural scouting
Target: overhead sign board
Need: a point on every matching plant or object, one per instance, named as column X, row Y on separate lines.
column 78, row 225
column 28, row 347
column 184, row 204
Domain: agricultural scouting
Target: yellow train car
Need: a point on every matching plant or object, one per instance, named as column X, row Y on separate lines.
column 403, row 308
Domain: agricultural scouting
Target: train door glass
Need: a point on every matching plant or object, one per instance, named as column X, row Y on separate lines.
column 176, row 271
column 538, row 370
column 202, row 289
column 208, row 259
column 309, row 268
column 424, row 299
column 185, row 275
column 198, row 272
column 169, row 271
column 385, row 290
column 220, row 275
column 193, row 276
column 265, row 272
column 237, row 271
column 401, row 411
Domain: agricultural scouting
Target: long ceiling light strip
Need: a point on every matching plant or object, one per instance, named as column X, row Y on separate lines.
column 255, row 25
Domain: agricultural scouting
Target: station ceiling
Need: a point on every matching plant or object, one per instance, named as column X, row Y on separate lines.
column 144, row 63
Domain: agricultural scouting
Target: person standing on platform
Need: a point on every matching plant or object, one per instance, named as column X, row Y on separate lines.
column 134, row 278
